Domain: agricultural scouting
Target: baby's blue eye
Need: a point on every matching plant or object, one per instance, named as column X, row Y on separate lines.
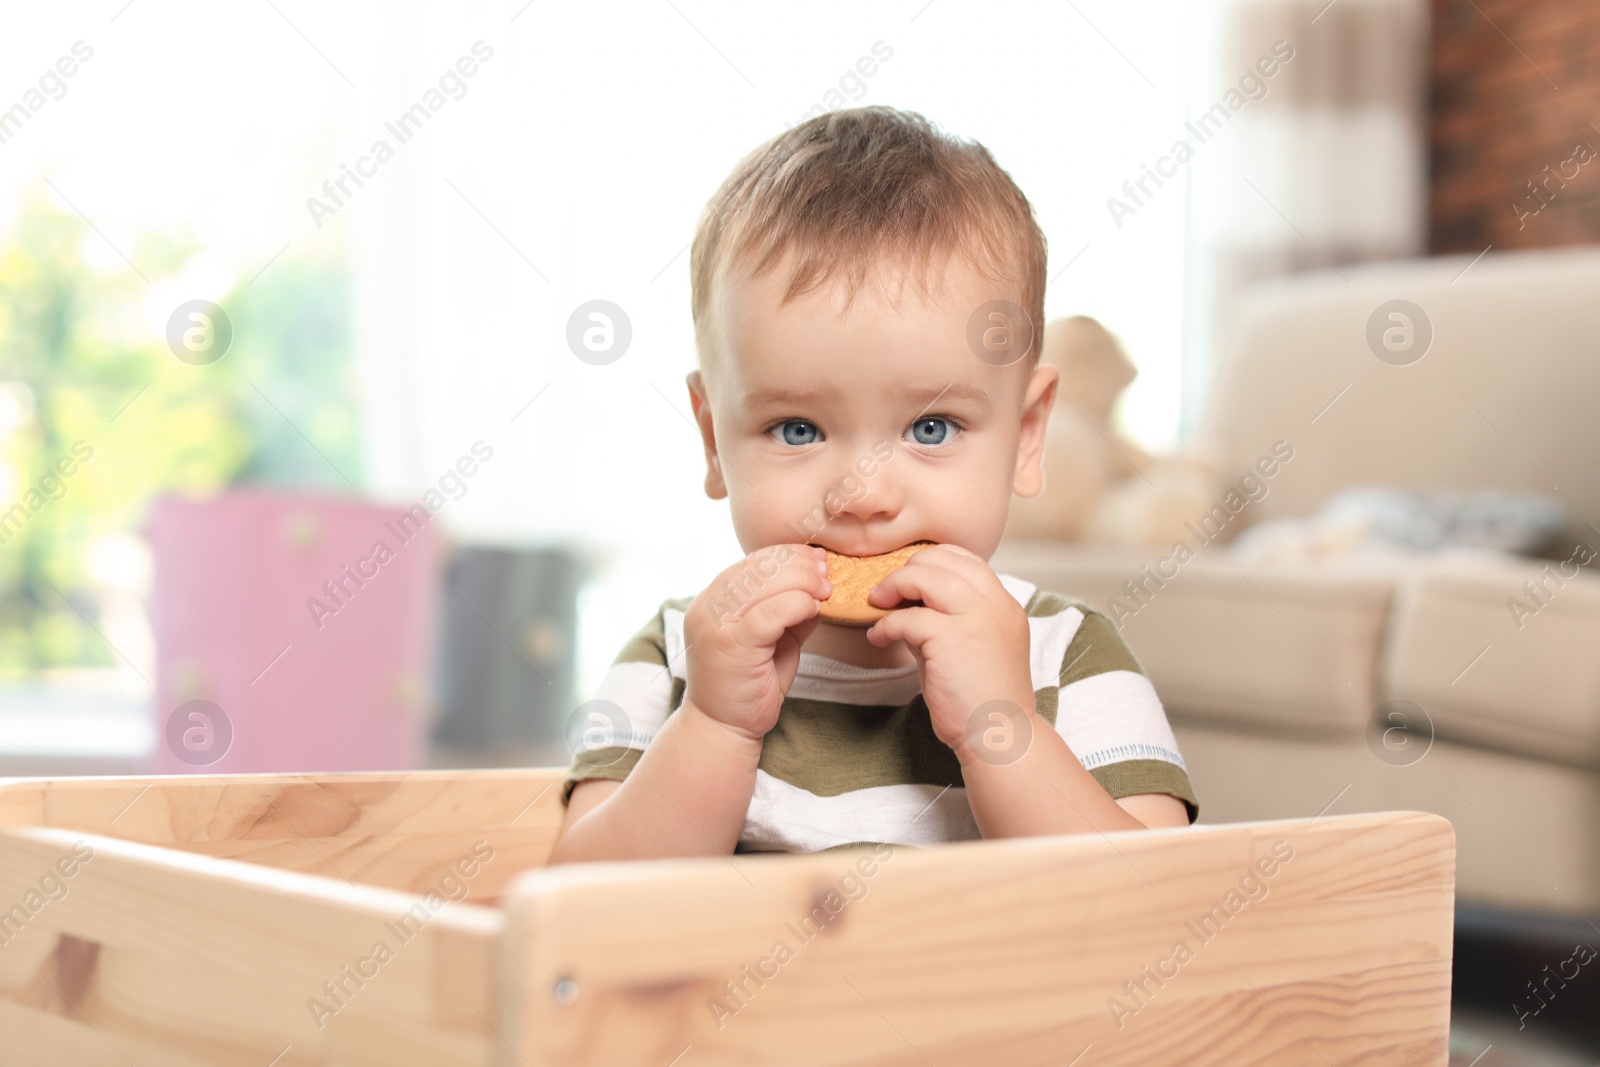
column 931, row 430
column 796, row 432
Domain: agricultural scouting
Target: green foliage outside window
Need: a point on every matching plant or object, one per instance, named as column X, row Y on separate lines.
column 83, row 373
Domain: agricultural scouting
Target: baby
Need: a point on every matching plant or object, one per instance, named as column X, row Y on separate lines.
column 866, row 294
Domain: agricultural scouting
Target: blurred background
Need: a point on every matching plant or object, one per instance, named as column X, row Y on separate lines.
column 307, row 464
column 379, row 331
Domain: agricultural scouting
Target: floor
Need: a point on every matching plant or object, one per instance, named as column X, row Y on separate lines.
column 1493, row 1018
column 1479, row 1038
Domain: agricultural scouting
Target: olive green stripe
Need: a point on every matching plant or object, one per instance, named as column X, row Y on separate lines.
column 1043, row 604
column 885, row 762
column 829, row 749
column 1131, row 777
column 614, row 763
column 1047, row 702
column 1125, row 779
column 1095, row 648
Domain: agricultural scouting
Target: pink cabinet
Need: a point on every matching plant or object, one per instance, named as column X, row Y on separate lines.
column 293, row 632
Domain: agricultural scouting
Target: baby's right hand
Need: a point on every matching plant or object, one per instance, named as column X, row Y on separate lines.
column 743, row 634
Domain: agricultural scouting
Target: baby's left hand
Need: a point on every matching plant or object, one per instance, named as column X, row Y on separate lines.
column 970, row 637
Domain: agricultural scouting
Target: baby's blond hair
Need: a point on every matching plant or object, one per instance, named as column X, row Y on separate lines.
column 850, row 188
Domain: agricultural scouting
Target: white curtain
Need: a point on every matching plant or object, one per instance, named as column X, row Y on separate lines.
column 1323, row 164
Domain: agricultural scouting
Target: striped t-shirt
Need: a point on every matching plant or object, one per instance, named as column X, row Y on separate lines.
column 853, row 758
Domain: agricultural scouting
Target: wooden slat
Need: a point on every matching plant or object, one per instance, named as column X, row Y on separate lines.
column 401, row 830
column 1006, row 951
column 169, row 958
column 1001, row 952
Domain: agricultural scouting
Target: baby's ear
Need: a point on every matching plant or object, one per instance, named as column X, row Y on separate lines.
column 716, row 487
column 1028, row 478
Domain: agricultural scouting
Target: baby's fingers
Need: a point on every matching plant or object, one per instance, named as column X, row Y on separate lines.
column 938, row 587
column 764, row 622
column 766, row 574
column 915, row 626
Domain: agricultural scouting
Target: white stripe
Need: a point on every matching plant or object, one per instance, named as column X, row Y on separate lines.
column 1020, row 588
column 1115, row 716
column 1048, row 638
column 672, row 619
column 821, row 678
column 786, row 817
column 641, row 690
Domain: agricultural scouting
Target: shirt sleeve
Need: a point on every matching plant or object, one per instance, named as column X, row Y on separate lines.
column 644, row 684
column 1112, row 719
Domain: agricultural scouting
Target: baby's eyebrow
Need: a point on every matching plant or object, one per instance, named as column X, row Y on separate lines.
column 951, row 391
column 757, row 397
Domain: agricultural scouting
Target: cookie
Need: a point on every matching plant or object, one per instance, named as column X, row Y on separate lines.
column 853, row 578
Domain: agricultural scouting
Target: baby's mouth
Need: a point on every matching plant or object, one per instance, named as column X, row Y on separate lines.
column 858, row 552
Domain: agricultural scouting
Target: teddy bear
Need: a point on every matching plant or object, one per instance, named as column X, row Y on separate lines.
column 1099, row 486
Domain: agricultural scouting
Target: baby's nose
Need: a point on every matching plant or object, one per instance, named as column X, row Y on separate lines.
column 873, row 494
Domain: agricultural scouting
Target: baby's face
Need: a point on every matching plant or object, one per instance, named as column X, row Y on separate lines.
column 866, row 430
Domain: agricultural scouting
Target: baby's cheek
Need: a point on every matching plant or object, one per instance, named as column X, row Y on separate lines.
column 972, row 511
column 764, row 517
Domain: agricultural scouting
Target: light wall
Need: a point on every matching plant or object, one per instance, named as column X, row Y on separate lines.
column 572, row 166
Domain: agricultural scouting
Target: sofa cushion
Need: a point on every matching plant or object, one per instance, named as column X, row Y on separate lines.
column 1290, row 648
column 1524, row 827
column 1498, row 392
column 1500, row 663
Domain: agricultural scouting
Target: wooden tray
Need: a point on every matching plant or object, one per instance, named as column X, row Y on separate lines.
column 237, row 920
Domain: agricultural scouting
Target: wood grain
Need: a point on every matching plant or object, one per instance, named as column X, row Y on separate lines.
column 168, row 958
column 397, row 830
column 214, row 908
column 1002, row 951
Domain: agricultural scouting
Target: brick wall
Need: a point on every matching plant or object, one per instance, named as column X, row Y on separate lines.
column 1515, row 90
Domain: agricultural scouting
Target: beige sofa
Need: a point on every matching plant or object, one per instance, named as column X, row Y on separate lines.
column 1278, row 677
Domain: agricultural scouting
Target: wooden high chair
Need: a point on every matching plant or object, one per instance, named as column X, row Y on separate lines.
column 406, row 918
